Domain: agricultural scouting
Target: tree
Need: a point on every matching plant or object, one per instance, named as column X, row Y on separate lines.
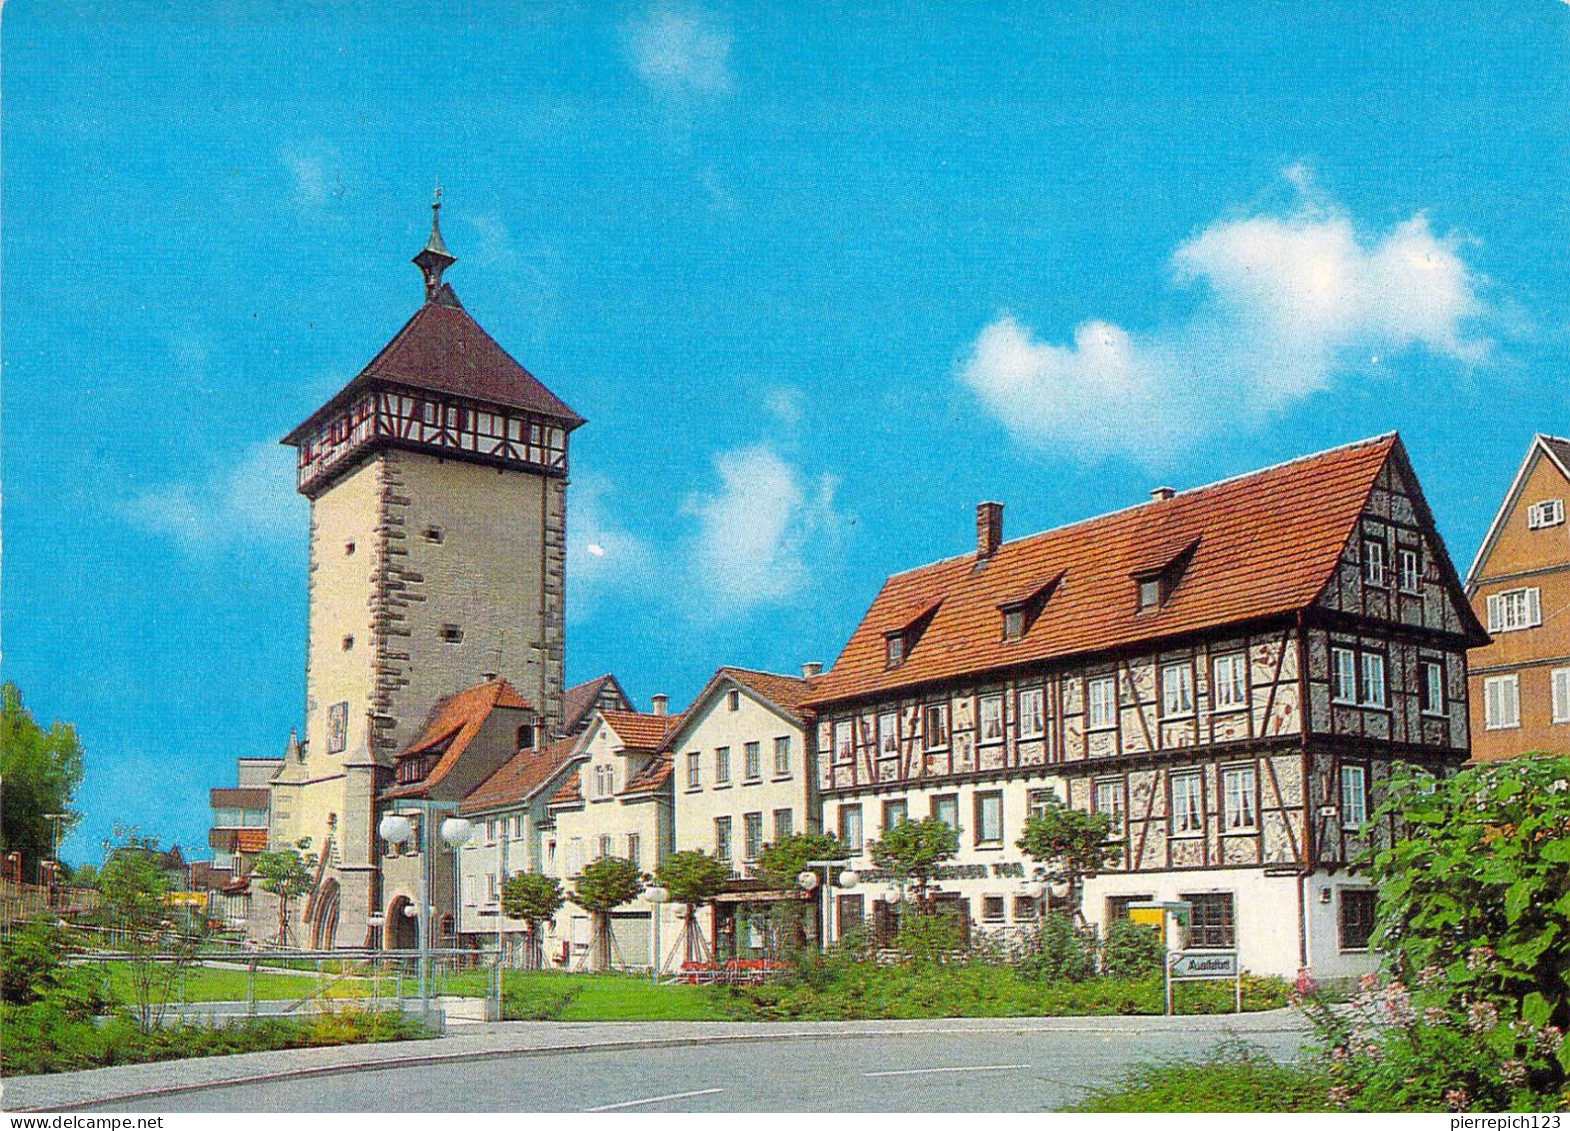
column 915, row 850
column 41, row 770
column 1070, row 844
column 602, row 887
column 133, row 886
column 692, row 879
column 782, row 862
column 534, row 898
column 286, row 873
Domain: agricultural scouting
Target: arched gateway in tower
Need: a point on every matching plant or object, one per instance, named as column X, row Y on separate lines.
column 437, row 479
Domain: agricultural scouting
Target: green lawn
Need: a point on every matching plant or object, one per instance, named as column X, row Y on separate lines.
column 204, row 983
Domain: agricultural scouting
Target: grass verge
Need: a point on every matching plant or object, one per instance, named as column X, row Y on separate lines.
column 1234, row 1078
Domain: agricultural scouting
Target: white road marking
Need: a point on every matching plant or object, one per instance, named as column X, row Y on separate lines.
column 655, row 1099
column 967, row 1068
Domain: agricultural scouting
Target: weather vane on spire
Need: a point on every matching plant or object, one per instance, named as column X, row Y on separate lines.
column 434, row 258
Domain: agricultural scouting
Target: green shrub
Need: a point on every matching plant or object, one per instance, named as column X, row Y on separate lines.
column 1234, row 1077
column 935, row 936
column 1057, row 951
column 1132, row 950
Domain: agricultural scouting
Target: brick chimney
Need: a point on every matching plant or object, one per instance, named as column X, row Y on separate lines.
column 811, row 670
column 1161, row 494
column 662, row 704
column 989, row 528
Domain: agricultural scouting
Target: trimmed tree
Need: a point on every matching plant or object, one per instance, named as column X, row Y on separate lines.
column 602, row 887
column 133, row 888
column 781, row 862
column 915, row 850
column 287, row 874
column 692, row 879
column 534, row 898
column 1069, row 844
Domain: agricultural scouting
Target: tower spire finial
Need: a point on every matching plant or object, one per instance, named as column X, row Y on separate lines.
column 434, row 258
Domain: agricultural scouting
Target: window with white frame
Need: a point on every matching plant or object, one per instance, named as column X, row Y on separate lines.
column 784, row 824
column 1431, row 691
column 1343, row 674
column 1559, row 681
column 517, row 826
column 694, row 770
column 1411, row 572
column 1032, row 712
column 935, row 726
column 946, row 809
column 1514, row 610
column 752, row 836
column 1549, row 512
column 634, row 849
column 989, row 819
column 1373, row 562
column 1229, row 688
column 1109, row 800
column 1103, row 697
column 1372, row 669
column 752, row 760
column 1188, row 804
column 991, row 711
column 722, row 839
column 605, row 845
column 1501, row 702
column 1354, row 796
column 888, row 735
column 491, row 887
column 1239, row 800
column 722, row 765
column 490, row 831
column 850, row 828
column 1177, row 690
column 1038, row 801
column 782, row 756
column 844, row 742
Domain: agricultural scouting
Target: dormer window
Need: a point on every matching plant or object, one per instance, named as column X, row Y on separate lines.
column 1155, row 583
column 894, row 650
column 1020, row 612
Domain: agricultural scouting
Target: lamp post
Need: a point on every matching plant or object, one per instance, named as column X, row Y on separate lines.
column 457, row 832
column 54, row 820
column 398, row 829
column 658, row 896
column 808, row 881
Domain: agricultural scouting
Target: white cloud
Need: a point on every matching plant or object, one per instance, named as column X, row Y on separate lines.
column 755, row 532
column 315, row 173
column 679, row 53
column 1287, row 304
column 251, row 501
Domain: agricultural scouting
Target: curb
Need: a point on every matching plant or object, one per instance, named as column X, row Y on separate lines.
column 423, row 1060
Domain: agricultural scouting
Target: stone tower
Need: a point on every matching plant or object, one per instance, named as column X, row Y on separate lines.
column 437, row 479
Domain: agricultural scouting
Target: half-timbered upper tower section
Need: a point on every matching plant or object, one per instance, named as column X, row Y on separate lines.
column 442, row 386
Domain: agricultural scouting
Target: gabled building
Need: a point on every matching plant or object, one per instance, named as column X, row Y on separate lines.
column 603, row 693
column 1230, row 673
column 614, row 801
column 1519, row 585
column 437, row 478
column 466, row 738
column 510, row 811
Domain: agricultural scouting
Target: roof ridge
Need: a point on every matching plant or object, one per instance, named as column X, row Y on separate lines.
column 760, row 671
column 1384, row 437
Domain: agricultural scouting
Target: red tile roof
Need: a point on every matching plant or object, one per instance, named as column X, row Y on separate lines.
column 655, row 773
column 520, row 779
column 579, row 700
column 451, row 726
column 1263, row 544
column 442, row 349
column 570, row 792
column 638, row 731
column 787, row 692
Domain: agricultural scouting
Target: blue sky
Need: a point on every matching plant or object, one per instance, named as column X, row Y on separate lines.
column 821, row 277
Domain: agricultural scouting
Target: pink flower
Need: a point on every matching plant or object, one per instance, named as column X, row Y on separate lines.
column 1513, row 1072
column 1457, row 1099
column 1368, row 983
column 1482, row 957
column 1305, row 986
column 1482, row 1016
column 1549, row 1038
column 1434, row 1016
column 1338, row 1096
column 1429, row 977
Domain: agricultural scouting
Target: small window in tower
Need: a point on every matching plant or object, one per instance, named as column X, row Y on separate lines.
column 348, row 549
column 348, row 644
column 433, row 535
column 451, row 634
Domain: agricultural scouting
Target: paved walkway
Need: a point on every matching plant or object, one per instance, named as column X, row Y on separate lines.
column 469, row 1043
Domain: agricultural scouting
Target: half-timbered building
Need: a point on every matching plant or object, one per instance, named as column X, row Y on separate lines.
column 1229, row 672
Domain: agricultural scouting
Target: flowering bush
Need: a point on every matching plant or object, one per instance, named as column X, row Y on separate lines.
column 1474, row 917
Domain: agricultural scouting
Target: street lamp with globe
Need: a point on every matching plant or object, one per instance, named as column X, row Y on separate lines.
column 658, row 896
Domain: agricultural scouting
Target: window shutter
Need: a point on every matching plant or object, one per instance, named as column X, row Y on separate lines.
column 1493, row 613
column 1534, row 607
